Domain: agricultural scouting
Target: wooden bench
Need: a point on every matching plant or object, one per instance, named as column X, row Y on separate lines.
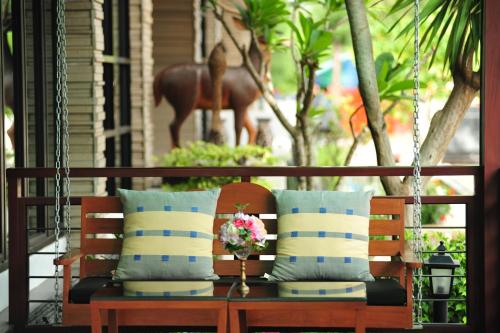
column 391, row 257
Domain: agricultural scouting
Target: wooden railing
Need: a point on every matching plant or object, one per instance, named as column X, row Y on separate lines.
column 19, row 202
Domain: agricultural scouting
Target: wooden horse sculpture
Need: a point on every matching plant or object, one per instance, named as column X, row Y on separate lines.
column 188, row 87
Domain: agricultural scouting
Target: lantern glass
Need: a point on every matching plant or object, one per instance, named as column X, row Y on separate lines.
column 441, row 285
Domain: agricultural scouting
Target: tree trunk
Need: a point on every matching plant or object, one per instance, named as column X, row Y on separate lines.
column 365, row 66
column 445, row 123
column 299, row 158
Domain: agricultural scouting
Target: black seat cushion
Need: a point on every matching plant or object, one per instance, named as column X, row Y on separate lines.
column 80, row 293
column 378, row 292
column 385, row 292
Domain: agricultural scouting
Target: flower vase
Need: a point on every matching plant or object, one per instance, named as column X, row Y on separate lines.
column 242, row 255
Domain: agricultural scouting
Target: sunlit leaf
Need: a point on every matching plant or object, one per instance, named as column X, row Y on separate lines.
column 459, row 20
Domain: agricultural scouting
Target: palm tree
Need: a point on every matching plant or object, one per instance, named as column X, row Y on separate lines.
column 453, row 24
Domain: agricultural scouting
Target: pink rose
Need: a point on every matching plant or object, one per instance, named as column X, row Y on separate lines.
column 250, row 225
column 239, row 223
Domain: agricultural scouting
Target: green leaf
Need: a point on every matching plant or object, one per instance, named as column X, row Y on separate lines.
column 430, row 7
column 402, row 86
column 305, row 25
column 400, row 5
column 322, row 42
column 459, row 20
column 382, row 76
column 296, row 31
column 315, row 112
column 383, row 57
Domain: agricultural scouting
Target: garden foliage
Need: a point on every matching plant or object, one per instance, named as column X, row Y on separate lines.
column 203, row 154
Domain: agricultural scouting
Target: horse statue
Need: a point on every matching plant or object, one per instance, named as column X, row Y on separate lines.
column 189, row 86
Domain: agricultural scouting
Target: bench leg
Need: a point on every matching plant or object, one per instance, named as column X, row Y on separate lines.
column 95, row 315
column 360, row 322
column 237, row 321
column 112, row 322
column 221, row 320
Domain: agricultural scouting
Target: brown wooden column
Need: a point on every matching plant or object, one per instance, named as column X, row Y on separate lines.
column 18, row 257
column 17, row 243
column 491, row 164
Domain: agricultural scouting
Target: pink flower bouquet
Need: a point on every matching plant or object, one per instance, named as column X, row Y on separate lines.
column 243, row 234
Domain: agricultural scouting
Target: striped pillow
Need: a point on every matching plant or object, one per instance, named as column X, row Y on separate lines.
column 167, row 235
column 167, row 288
column 322, row 235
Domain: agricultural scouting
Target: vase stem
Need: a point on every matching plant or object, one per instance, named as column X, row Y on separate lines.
column 244, row 289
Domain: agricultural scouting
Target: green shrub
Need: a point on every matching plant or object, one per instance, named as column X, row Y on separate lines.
column 203, row 154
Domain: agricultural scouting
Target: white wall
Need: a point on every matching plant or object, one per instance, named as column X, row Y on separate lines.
column 40, row 264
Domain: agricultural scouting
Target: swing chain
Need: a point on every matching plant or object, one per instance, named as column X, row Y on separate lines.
column 61, row 119
column 417, row 181
column 64, row 93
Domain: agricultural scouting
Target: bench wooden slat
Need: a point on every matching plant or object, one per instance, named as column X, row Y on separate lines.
column 253, row 267
column 384, row 247
column 386, row 268
column 104, row 225
column 99, row 267
column 386, row 227
column 101, row 205
column 260, row 199
column 386, row 206
column 103, row 246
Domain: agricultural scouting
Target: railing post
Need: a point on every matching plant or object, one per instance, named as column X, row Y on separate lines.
column 18, row 256
column 474, row 265
column 488, row 219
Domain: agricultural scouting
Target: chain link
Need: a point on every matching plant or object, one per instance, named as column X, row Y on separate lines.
column 61, row 121
column 417, row 181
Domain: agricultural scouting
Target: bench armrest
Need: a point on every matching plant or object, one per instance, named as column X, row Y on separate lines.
column 69, row 257
column 409, row 258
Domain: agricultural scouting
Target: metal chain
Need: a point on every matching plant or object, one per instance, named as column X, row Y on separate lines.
column 61, row 118
column 64, row 88
column 417, row 181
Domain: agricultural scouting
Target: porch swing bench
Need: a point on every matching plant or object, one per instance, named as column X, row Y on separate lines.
column 389, row 299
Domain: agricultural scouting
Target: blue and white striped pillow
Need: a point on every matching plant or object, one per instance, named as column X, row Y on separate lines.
column 167, row 235
column 322, row 235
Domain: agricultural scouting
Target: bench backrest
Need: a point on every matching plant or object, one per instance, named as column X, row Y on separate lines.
column 101, row 232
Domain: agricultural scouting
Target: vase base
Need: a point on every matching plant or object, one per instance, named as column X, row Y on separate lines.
column 244, row 289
